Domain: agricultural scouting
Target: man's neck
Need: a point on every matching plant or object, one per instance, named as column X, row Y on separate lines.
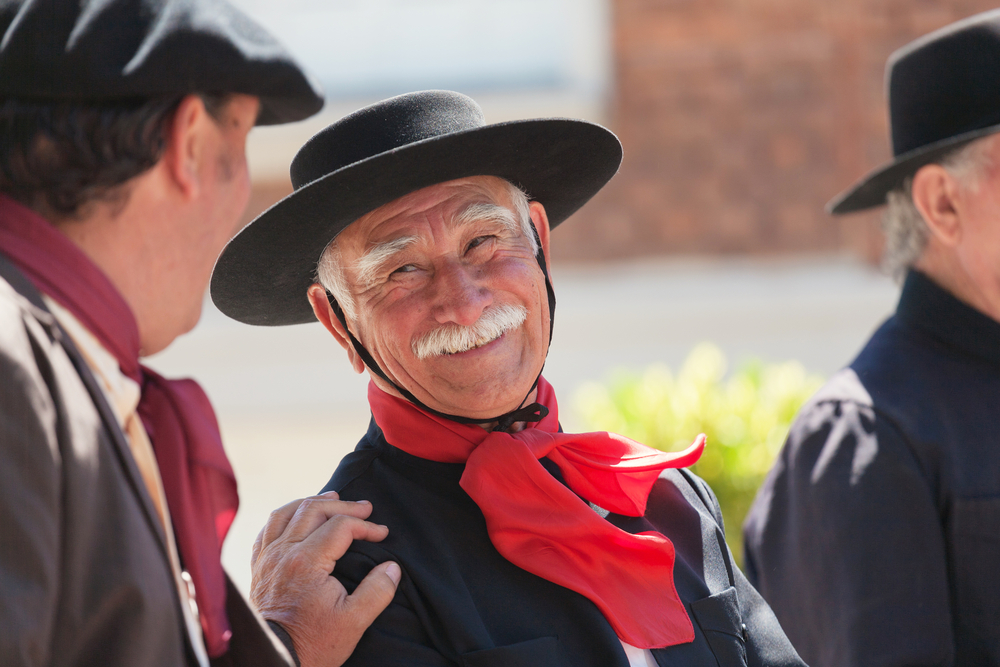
column 116, row 236
column 97, row 232
column 943, row 267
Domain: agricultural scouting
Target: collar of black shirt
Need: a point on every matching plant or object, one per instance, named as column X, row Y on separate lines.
column 927, row 307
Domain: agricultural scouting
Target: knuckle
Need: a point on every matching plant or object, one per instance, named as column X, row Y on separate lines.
column 338, row 520
column 343, row 523
column 309, row 504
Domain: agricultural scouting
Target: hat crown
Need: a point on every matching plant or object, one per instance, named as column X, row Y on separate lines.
column 384, row 127
column 945, row 84
column 103, row 51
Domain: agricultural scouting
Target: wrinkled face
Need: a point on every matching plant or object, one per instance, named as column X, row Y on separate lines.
column 450, row 299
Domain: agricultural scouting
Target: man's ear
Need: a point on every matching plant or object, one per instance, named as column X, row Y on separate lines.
column 937, row 195
column 186, row 145
column 541, row 220
column 324, row 313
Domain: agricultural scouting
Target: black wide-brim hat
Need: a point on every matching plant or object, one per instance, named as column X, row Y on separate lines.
column 386, row 151
column 944, row 92
column 101, row 51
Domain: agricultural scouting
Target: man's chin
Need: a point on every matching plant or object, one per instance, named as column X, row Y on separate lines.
column 482, row 400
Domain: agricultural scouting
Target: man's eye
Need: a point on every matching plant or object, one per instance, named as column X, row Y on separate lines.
column 406, row 268
column 478, row 241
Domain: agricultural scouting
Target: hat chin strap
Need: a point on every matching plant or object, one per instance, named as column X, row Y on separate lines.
column 527, row 413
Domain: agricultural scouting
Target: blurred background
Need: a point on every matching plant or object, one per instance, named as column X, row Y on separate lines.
column 739, row 120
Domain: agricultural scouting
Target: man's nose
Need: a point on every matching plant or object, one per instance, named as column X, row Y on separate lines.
column 461, row 295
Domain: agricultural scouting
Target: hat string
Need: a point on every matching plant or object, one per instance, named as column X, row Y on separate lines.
column 533, row 412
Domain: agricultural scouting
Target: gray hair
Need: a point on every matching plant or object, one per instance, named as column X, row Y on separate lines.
column 905, row 230
column 330, row 270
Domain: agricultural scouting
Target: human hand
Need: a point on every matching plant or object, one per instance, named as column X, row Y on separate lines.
column 291, row 585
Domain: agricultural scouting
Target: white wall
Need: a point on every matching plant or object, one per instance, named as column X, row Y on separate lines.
column 358, row 48
column 517, row 58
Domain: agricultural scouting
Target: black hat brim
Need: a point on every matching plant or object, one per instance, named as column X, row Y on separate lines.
column 871, row 191
column 263, row 274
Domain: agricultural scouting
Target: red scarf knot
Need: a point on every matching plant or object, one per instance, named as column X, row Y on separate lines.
column 544, row 527
column 197, row 478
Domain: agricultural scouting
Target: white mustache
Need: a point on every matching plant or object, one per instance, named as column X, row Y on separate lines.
column 454, row 338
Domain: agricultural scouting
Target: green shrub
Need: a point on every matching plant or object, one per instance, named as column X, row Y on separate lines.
column 745, row 417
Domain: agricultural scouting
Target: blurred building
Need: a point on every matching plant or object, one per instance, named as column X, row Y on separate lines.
column 739, row 118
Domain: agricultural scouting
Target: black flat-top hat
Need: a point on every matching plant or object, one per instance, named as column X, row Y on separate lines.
column 386, row 151
column 120, row 50
column 943, row 91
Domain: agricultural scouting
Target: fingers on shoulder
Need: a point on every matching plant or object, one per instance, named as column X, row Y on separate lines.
column 331, row 540
column 315, row 511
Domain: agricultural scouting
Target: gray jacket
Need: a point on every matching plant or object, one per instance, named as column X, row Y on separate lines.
column 84, row 573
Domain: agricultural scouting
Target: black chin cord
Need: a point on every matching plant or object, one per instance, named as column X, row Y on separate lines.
column 533, row 412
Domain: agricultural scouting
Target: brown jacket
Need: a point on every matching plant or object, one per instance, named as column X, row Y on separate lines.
column 84, row 573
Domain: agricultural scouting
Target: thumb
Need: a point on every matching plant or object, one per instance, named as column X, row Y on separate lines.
column 374, row 593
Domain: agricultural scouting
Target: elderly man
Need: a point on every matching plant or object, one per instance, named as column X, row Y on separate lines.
column 123, row 173
column 876, row 537
column 519, row 544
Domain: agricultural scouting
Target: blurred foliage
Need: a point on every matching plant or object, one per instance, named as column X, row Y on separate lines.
column 745, row 416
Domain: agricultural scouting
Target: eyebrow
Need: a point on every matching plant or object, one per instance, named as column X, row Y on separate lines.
column 371, row 263
column 488, row 212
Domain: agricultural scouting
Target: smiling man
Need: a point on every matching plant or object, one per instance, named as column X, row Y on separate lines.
column 429, row 234
column 458, row 346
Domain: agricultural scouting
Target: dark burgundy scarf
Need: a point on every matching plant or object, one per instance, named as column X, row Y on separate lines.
column 544, row 527
column 197, row 477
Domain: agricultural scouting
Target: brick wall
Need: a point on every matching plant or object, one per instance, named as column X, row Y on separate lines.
column 741, row 118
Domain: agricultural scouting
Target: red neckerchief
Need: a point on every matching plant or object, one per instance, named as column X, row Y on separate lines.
column 197, row 477
column 545, row 528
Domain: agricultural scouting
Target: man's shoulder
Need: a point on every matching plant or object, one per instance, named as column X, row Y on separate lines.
column 40, row 385
column 891, row 373
column 694, row 490
column 352, row 469
column 891, row 359
column 13, row 306
column 903, row 364
column 26, row 336
column 679, row 494
column 902, row 381
column 355, row 469
column 21, row 307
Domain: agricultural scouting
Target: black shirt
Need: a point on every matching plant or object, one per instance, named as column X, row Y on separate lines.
column 876, row 537
column 461, row 603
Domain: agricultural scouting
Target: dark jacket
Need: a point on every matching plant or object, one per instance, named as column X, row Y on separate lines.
column 84, row 573
column 461, row 603
column 876, row 537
